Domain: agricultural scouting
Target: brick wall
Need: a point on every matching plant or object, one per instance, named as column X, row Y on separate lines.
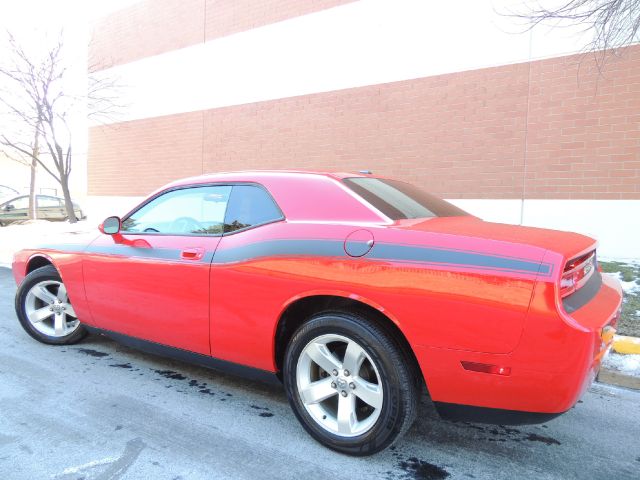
column 584, row 128
column 152, row 27
column 146, row 28
column 134, row 158
column 460, row 135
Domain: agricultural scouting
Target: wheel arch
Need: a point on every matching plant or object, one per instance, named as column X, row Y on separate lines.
column 301, row 308
column 38, row 260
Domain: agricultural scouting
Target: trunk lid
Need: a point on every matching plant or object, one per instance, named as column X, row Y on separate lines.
column 568, row 244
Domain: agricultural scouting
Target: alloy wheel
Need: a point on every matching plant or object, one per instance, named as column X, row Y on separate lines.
column 49, row 311
column 339, row 385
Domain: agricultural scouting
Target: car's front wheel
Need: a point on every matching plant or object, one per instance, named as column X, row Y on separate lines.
column 349, row 383
column 44, row 308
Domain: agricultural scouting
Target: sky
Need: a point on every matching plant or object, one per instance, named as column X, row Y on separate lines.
column 37, row 23
column 30, row 15
column 31, row 21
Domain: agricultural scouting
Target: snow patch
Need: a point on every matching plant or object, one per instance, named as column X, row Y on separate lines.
column 630, row 288
column 79, row 468
column 627, row 261
column 627, row 364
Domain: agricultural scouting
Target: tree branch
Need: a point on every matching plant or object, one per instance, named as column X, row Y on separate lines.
column 614, row 23
column 6, row 142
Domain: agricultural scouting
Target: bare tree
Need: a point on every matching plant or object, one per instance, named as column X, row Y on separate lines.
column 614, row 23
column 20, row 110
column 31, row 162
column 33, row 167
column 35, row 95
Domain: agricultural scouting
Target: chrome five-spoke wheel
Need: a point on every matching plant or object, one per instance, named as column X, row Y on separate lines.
column 350, row 382
column 340, row 385
column 44, row 308
column 48, row 309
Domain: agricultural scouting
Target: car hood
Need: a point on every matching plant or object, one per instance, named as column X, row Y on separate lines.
column 75, row 241
column 566, row 243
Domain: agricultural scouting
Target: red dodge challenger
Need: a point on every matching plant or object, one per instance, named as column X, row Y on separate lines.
column 356, row 291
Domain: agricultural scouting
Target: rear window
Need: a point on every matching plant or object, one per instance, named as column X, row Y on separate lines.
column 400, row 200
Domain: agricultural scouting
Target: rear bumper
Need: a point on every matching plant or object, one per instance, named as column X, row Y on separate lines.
column 495, row 416
column 558, row 357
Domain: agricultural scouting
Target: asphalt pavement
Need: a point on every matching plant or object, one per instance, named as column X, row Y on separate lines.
column 99, row 410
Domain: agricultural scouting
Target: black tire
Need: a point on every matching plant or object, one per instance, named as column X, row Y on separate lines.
column 397, row 377
column 46, row 273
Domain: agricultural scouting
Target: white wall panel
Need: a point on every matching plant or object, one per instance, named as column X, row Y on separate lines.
column 614, row 223
column 362, row 43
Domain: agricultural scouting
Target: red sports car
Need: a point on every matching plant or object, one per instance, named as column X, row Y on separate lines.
column 356, row 291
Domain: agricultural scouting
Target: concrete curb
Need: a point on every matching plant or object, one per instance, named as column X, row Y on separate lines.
column 626, row 345
column 614, row 377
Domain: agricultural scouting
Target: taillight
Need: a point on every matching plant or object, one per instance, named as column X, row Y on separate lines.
column 576, row 273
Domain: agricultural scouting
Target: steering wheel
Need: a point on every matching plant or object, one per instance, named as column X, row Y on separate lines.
column 151, row 230
column 186, row 225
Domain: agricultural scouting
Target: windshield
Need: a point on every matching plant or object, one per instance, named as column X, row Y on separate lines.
column 400, row 200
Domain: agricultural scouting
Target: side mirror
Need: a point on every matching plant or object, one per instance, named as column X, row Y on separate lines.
column 8, row 208
column 110, row 226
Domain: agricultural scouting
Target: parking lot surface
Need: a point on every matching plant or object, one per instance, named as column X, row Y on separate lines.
column 99, row 410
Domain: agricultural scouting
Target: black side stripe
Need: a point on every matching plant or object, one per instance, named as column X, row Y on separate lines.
column 412, row 254
column 280, row 248
column 129, row 251
column 141, row 252
column 454, row 257
column 380, row 251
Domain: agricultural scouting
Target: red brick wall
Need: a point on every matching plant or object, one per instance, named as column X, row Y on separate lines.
column 460, row 135
column 152, row 27
column 146, row 28
column 584, row 128
column 134, row 158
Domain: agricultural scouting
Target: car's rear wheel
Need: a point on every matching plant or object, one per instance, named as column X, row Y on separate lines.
column 349, row 383
column 44, row 308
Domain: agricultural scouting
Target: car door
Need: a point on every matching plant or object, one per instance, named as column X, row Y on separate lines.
column 240, row 331
column 15, row 209
column 50, row 208
column 151, row 280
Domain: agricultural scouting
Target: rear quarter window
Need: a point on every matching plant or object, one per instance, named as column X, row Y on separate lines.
column 249, row 206
column 400, row 200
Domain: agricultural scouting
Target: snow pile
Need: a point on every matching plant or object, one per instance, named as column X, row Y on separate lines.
column 627, row 364
column 630, row 288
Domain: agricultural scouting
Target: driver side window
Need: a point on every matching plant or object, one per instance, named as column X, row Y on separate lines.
column 187, row 211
